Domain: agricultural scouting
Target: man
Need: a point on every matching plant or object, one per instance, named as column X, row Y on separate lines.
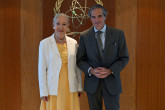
column 102, row 60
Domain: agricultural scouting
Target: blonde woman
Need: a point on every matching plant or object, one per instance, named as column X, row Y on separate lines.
column 60, row 80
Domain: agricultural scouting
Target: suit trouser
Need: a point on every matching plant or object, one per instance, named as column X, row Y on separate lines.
column 95, row 99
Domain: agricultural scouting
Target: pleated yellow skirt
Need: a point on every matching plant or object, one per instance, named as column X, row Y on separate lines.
column 64, row 100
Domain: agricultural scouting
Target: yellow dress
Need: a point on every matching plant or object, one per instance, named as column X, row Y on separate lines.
column 64, row 100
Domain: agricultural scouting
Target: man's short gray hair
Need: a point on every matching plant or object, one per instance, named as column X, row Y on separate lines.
column 105, row 13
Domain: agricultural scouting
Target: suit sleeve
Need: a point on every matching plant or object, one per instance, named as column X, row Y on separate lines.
column 122, row 57
column 82, row 57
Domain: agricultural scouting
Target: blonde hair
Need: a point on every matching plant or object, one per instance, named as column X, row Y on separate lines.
column 59, row 15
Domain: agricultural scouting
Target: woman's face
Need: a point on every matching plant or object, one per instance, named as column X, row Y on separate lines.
column 60, row 27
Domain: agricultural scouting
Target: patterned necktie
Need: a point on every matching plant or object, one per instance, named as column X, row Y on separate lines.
column 99, row 43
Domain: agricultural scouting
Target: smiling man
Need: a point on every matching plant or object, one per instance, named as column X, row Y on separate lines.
column 102, row 55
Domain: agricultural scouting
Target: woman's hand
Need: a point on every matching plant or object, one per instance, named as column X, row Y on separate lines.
column 44, row 98
column 79, row 94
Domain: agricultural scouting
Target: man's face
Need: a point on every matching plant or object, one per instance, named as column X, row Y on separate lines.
column 98, row 18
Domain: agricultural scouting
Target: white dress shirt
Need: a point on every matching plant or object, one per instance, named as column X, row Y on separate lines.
column 102, row 35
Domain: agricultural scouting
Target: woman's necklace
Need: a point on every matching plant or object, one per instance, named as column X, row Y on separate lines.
column 61, row 41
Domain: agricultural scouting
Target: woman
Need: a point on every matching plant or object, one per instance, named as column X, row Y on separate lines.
column 60, row 80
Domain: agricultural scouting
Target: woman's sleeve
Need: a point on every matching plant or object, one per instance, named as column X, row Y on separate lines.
column 79, row 74
column 42, row 70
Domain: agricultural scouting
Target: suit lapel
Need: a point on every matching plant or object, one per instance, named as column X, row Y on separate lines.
column 93, row 41
column 55, row 48
column 54, row 45
column 108, row 39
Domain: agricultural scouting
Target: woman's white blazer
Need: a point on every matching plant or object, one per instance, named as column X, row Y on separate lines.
column 49, row 66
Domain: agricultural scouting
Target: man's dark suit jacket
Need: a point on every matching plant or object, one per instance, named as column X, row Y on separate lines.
column 115, row 58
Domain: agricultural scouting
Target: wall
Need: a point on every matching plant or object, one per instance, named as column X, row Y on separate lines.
column 31, row 34
column 150, row 60
column 126, row 19
column 20, row 33
column 10, row 74
column 24, row 23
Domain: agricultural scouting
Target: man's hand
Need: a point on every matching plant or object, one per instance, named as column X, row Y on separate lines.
column 100, row 72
